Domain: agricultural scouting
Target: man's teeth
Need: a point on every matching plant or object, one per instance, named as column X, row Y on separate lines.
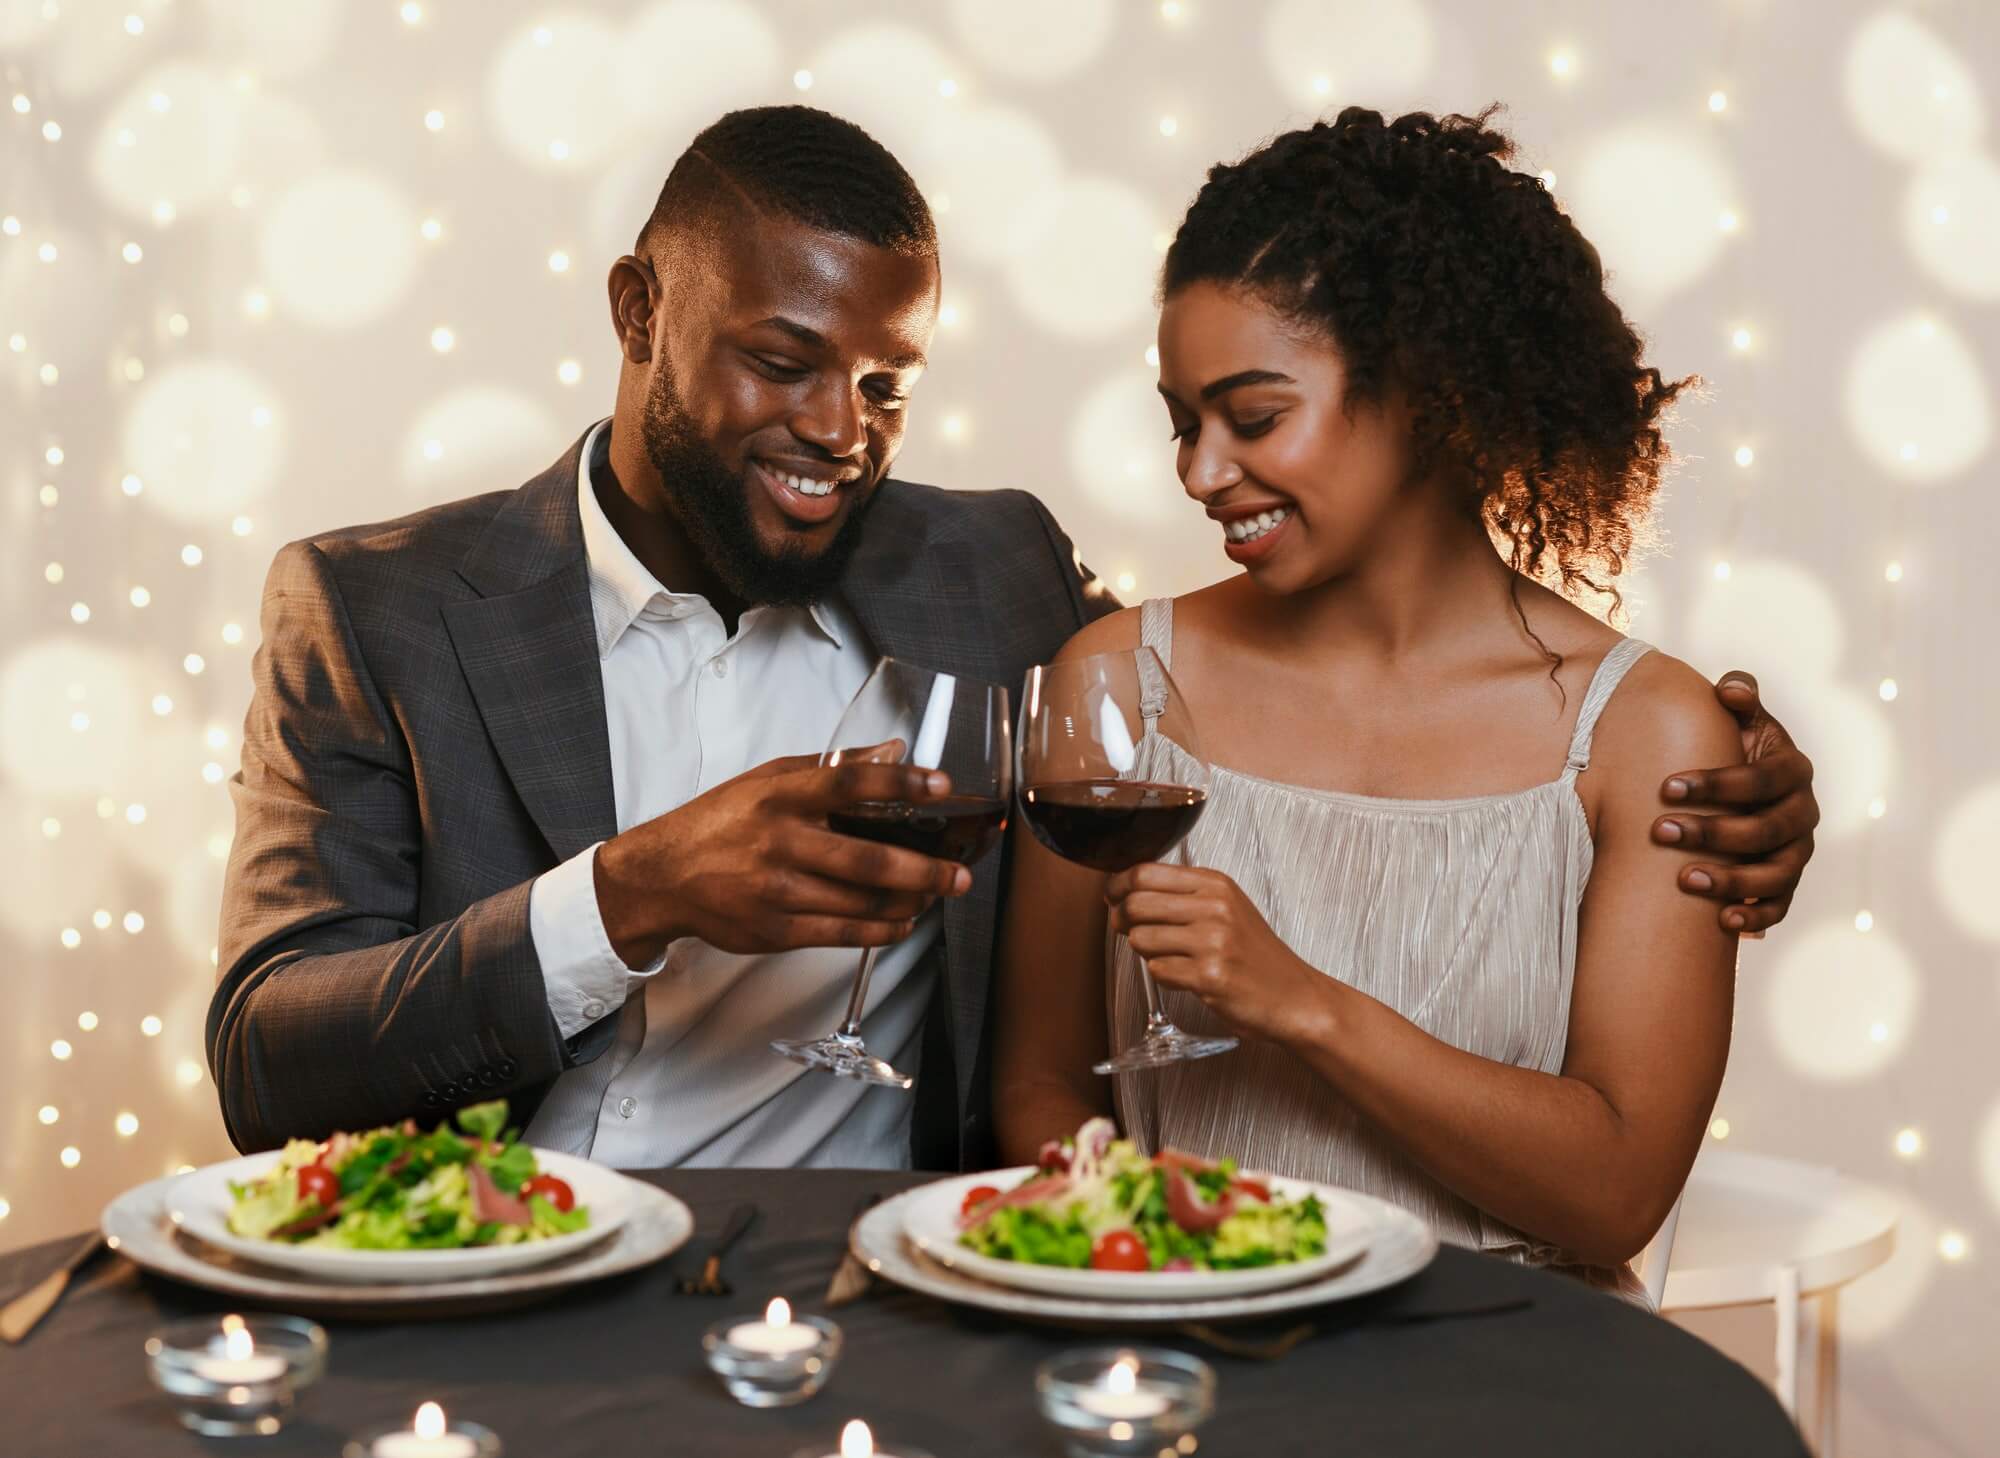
column 805, row 485
column 1249, row 528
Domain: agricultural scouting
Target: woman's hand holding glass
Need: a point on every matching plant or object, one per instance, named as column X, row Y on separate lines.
column 1199, row 932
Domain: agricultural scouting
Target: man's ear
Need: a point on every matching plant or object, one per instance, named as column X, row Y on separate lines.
column 634, row 292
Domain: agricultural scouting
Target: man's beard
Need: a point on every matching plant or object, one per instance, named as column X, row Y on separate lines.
column 712, row 505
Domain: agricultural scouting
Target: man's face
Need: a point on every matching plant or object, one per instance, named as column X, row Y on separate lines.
column 782, row 363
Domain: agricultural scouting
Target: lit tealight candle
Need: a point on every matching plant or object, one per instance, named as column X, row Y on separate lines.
column 777, row 1335
column 427, row 1438
column 234, row 1360
column 856, row 1441
column 1120, row 1397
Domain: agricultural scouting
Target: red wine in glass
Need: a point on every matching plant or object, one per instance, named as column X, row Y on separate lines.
column 1112, row 777
column 959, row 828
column 909, row 715
column 1111, row 825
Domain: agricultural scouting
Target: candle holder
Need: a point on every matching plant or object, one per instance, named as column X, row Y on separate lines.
column 1120, row 1402
column 857, row 1441
column 435, row 1439
column 766, row 1364
column 236, row 1375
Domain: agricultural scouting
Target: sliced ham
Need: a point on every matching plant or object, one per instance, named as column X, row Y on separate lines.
column 1189, row 1210
column 1171, row 1158
column 1053, row 1156
column 1046, row 1187
column 490, row 1202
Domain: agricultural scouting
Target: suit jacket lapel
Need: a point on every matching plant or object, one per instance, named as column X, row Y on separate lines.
column 528, row 647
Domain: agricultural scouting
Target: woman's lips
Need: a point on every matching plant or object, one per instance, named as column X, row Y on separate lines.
column 1264, row 532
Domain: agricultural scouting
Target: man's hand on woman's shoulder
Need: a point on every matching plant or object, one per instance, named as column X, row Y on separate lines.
column 1761, row 813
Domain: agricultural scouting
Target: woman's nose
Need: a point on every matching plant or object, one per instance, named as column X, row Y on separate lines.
column 1209, row 470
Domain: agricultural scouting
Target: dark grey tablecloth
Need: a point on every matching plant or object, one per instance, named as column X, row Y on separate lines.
column 616, row 1369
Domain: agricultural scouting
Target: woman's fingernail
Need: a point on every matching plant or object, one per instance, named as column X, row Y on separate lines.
column 1677, row 789
column 1734, row 921
column 1670, row 830
column 1699, row 880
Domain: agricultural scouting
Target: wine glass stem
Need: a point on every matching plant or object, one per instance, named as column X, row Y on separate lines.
column 851, row 1026
column 1156, row 1016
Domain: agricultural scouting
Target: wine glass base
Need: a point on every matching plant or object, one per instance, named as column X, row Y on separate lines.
column 842, row 1057
column 1161, row 1047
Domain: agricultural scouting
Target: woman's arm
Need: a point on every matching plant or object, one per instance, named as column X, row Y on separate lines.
column 1049, row 1020
column 1589, row 1159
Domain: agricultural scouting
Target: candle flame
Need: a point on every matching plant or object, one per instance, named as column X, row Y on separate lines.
column 430, row 1421
column 232, row 1322
column 856, row 1441
column 1123, row 1376
column 237, row 1345
column 779, row 1312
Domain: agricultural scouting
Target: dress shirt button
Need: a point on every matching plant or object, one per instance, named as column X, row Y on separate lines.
column 593, row 1009
column 627, row 1107
column 719, row 667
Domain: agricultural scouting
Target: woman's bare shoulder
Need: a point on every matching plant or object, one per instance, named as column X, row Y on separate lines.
column 1113, row 633
column 1663, row 717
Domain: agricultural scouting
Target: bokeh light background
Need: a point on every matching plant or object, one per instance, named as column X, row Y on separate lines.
column 269, row 268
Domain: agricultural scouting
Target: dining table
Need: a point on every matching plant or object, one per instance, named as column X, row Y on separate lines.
column 1473, row 1355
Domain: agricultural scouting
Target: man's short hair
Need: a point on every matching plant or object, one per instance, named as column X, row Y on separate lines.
column 799, row 163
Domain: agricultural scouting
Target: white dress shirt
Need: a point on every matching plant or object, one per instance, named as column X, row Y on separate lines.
column 691, row 1078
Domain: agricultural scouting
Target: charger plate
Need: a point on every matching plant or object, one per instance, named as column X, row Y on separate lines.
column 139, row 1225
column 1400, row 1246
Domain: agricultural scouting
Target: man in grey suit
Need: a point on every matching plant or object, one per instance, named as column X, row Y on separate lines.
column 529, row 803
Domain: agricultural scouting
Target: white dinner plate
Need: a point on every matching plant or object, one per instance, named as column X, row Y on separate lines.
column 930, row 1219
column 199, row 1203
column 1403, row 1246
column 138, row 1226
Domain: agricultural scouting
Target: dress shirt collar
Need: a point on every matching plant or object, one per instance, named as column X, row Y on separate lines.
column 622, row 588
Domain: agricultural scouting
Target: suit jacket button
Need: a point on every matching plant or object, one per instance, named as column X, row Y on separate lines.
column 508, row 1068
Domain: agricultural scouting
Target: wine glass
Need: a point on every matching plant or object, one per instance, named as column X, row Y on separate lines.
column 906, row 714
column 1112, row 777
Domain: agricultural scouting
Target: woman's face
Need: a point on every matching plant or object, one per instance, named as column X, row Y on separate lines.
column 1296, row 481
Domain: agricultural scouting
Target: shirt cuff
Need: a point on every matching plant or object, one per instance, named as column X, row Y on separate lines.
column 584, row 978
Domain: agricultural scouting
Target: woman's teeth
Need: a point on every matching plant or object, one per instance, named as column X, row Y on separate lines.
column 1249, row 528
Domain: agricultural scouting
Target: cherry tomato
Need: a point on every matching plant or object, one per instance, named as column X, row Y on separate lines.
column 1256, row 1189
column 317, row 1182
column 556, row 1192
column 1120, row 1250
column 977, row 1195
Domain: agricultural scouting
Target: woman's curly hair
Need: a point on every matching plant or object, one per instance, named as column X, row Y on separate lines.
column 1436, row 268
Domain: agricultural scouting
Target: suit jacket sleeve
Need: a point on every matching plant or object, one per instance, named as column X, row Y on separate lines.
column 334, row 1008
column 1089, row 597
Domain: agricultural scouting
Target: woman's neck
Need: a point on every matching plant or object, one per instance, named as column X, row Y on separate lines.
column 1430, row 574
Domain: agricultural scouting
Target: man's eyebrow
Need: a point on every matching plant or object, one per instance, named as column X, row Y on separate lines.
column 812, row 339
column 1241, row 378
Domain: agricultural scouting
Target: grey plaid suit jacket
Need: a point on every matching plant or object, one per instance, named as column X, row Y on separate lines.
column 427, row 736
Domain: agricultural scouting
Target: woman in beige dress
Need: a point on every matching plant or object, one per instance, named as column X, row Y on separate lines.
column 1423, row 892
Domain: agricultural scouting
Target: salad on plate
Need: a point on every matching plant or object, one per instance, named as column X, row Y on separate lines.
column 400, row 1189
column 1096, row 1202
